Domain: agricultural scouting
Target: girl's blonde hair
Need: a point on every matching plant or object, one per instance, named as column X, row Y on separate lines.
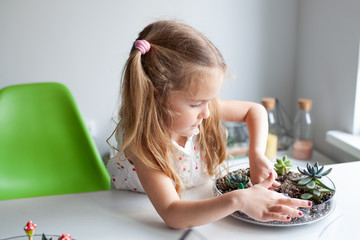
column 178, row 56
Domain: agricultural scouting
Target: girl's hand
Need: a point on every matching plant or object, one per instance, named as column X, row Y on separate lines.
column 260, row 167
column 265, row 205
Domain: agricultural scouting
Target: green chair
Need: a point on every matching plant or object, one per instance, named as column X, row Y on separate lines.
column 45, row 147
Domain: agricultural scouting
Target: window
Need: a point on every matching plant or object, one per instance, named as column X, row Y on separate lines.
column 356, row 124
column 349, row 142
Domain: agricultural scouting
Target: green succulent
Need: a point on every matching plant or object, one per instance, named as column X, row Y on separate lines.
column 282, row 166
column 311, row 181
column 314, row 171
column 237, row 181
column 43, row 237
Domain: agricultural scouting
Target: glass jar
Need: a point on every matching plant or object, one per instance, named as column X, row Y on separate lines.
column 303, row 130
column 237, row 139
column 272, row 139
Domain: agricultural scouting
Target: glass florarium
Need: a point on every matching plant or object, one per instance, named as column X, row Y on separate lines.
column 310, row 183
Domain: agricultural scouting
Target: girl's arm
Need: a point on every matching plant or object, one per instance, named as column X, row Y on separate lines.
column 257, row 202
column 255, row 116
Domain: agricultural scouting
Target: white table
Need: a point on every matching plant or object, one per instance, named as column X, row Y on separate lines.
column 127, row 215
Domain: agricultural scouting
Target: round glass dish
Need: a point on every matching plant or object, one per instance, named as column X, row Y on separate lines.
column 311, row 215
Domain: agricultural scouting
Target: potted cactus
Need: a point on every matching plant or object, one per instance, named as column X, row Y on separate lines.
column 311, row 183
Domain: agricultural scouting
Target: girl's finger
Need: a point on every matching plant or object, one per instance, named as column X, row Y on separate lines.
column 283, row 209
column 276, row 184
column 293, row 202
column 276, row 217
column 268, row 182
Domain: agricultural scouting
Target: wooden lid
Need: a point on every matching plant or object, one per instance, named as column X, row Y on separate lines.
column 305, row 104
column 269, row 103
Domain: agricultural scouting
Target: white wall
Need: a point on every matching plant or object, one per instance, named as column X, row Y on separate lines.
column 84, row 44
column 327, row 62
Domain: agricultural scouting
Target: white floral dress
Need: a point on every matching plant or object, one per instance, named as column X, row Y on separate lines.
column 187, row 161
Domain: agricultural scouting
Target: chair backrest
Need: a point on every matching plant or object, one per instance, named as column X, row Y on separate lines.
column 45, row 147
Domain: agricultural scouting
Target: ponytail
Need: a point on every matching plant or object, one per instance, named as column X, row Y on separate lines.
column 139, row 121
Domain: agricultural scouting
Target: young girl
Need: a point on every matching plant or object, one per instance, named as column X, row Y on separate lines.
column 170, row 134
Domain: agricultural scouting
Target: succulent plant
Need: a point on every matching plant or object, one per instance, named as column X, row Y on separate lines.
column 282, row 166
column 311, row 181
column 43, row 237
column 314, row 171
column 237, row 181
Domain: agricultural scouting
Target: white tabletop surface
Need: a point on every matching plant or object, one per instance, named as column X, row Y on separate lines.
column 120, row 214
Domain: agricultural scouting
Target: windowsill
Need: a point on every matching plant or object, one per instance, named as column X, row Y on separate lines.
column 345, row 141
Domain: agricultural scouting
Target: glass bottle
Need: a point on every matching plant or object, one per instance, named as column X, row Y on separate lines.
column 285, row 130
column 272, row 139
column 303, row 130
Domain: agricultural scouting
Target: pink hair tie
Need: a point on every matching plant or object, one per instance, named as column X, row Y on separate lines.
column 142, row 45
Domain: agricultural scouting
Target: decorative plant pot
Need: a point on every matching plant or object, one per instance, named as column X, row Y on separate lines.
column 313, row 214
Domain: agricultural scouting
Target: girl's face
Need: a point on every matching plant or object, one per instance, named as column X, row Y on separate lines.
column 192, row 106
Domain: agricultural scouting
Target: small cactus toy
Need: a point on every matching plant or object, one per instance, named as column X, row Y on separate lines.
column 282, row 166
column 237, row 181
